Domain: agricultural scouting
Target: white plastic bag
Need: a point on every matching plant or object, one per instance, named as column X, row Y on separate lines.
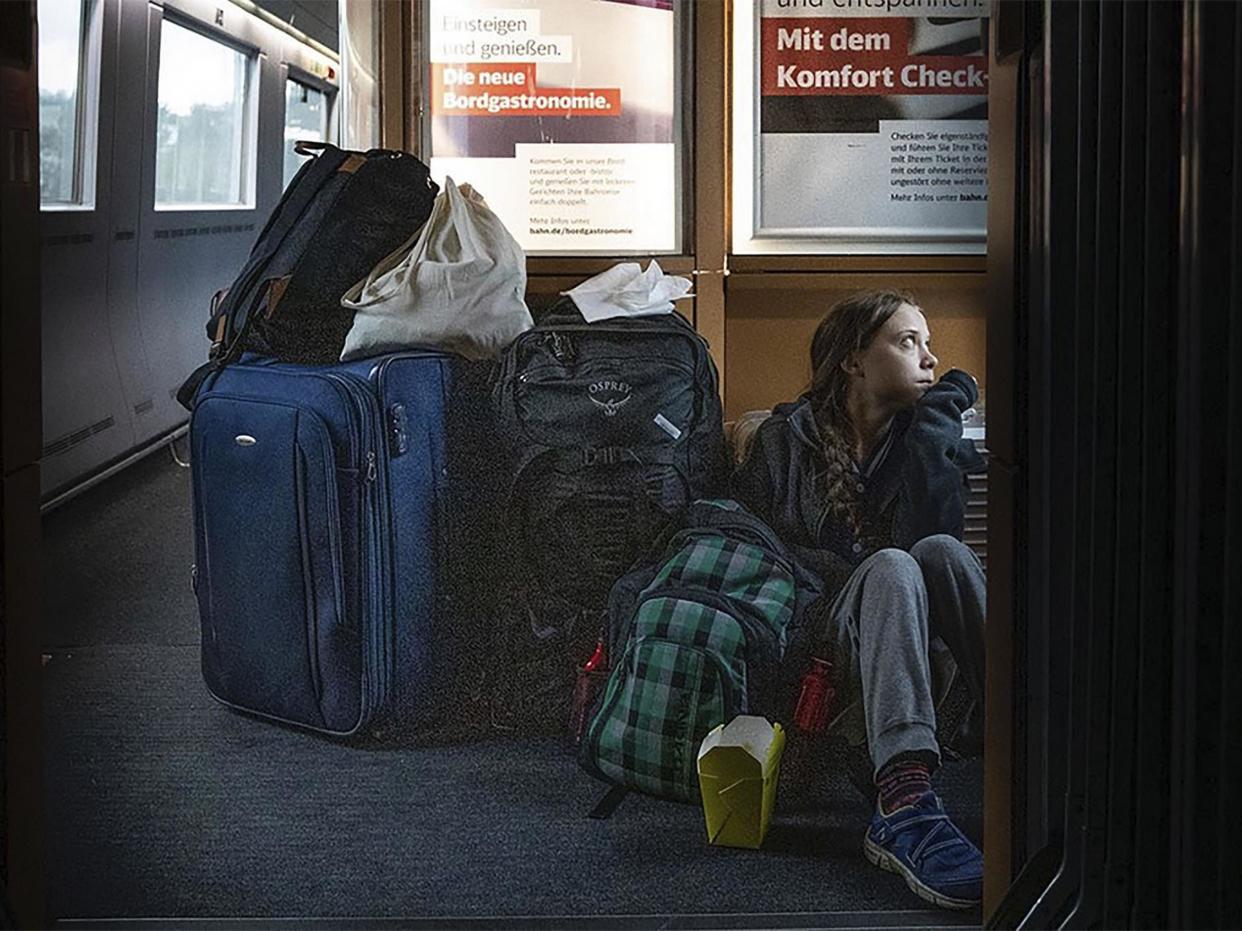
column 456, row 284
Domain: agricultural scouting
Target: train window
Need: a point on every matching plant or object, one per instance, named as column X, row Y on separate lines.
column 359, row 42
column 306, row 117
column 67, row 83
column 203, row 156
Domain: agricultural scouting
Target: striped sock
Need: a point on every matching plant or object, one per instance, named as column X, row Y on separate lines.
column 902, row 781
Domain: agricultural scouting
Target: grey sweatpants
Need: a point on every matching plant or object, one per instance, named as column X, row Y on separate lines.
column 896, row 607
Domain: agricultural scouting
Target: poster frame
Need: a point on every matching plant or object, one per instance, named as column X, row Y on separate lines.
column 417, row 80
column 747, row 237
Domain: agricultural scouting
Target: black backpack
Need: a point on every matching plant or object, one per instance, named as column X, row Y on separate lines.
column 342, row 212
column 612, row 429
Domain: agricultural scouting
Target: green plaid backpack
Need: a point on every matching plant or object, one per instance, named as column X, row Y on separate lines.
column 694, row 640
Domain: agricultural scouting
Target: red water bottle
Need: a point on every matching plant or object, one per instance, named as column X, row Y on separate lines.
column 590, row 676
column 816, row 698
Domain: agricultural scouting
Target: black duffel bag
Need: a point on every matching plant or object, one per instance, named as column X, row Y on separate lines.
column 612, row 429
column 342, row 212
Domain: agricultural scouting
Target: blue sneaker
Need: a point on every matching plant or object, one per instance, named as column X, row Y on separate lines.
column 920, row 843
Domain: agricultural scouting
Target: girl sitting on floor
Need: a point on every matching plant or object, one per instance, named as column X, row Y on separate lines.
column 864, row 478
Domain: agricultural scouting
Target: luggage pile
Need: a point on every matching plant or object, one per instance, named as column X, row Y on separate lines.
column 335, row 503
column 342, row 213
column 416, row 508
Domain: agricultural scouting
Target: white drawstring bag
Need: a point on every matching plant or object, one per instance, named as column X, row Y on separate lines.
column 457, row 284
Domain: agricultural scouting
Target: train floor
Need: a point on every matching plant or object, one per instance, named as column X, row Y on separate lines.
column 163, row 804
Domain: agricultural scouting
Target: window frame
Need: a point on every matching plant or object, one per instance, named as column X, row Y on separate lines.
column 250, row 115
column 85, row 184
column 744, row 142
column 331, row 92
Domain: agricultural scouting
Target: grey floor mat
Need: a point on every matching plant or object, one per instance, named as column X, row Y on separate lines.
column 163, row 803
column 116, row 560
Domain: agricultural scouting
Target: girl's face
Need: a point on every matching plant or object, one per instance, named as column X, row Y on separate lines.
column 898, row 366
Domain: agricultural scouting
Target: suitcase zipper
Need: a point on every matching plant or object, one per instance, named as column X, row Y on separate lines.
column 377, row 673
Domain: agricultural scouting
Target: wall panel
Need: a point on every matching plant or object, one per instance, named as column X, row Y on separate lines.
column 770, row 318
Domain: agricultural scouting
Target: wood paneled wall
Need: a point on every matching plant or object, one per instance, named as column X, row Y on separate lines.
column 770, row 316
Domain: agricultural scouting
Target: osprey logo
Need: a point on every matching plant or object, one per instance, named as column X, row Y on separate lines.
column 610, row 395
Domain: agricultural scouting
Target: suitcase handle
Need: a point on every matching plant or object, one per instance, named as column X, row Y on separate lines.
column 309, row 146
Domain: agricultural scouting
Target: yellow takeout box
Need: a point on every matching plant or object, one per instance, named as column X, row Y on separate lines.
column 739, row 763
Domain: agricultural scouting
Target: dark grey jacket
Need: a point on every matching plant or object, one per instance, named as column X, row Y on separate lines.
column 918, row 489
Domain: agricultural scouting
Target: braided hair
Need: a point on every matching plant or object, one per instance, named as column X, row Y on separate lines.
column 848, row 327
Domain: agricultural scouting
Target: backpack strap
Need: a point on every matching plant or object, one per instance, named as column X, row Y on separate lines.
column 301, row 191
column 608, row 804
column 233, row 313
column 301, row 194
column 573, row 462
column 586, row 457
column 220, row 356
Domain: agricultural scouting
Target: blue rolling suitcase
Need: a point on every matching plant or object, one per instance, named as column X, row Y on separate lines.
column 321, row 505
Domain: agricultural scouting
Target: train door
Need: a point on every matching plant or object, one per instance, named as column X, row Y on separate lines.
column 88, row 417
column 184, row 114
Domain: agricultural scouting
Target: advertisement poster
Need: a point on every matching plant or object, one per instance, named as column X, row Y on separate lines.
column 562, row 114
column 872, row 122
